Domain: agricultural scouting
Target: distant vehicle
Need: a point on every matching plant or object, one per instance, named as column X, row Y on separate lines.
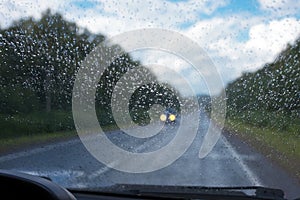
column 169, row 116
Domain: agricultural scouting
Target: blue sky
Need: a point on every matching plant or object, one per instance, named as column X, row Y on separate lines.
column 236, row 6
column 85, row 4
column 238, row 35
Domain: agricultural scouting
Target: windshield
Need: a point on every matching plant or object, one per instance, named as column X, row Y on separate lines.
column 170, row 93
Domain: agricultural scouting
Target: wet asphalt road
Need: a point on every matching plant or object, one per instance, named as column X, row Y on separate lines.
column 231, row 163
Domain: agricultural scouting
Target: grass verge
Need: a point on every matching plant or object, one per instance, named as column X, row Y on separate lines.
column 281, row 146
column 8, row 145
column 11, row 144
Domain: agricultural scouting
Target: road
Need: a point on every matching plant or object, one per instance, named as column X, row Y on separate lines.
column 231, row 163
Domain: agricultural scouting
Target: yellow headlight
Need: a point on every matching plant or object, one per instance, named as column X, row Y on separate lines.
column 172, row 117
column 163, row 117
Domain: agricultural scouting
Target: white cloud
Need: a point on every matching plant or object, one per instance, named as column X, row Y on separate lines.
column 232, row 56
column 114, row 17
column 269, row 39
column 14, row 10
column 164, row 65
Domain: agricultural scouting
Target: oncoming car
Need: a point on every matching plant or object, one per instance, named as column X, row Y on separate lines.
column 169, row 116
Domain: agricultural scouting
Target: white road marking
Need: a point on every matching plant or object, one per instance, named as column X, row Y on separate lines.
column 250, row 175
column 37, row 150
column 98, row 172
column 218, row 156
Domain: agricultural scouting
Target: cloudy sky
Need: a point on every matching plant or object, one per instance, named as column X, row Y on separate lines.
column 238, row 35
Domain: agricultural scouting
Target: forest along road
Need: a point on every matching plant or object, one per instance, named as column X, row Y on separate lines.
column 230, row 163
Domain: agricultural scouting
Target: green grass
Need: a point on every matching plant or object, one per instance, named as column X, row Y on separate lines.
column 20, row 130
column 23, row 130
column 283, row 141
column 277, row 135
column 18, row 125
column 9, row 144
column 16, row 143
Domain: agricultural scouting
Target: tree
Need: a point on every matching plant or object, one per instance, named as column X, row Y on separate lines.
column 42, row 57
column 275, row 87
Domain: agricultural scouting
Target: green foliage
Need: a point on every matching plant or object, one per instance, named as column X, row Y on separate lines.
column 274, row 87
column 41, row 58
column 269, row 99
column 273, row 120
column 15, row 99
column 148, row 95
column 39, row 61
column 142, row 98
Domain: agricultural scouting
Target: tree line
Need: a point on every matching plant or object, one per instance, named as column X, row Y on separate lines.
column 270, row 97
column 39, row 61
column 275, row 87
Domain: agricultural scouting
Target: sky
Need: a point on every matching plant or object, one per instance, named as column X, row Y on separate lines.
column 238, row 35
